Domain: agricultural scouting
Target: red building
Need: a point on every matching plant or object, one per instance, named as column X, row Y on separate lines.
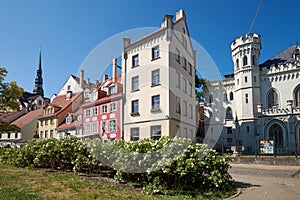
column 102, row 111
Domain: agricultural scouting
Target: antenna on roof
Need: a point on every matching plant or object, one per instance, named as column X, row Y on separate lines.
column 257, row 11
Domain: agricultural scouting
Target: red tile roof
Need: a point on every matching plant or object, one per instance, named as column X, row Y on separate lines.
column 27, row 118
column 72, row 124
column 61, row 102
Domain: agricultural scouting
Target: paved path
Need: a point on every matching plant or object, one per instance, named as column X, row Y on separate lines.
column 267, row 181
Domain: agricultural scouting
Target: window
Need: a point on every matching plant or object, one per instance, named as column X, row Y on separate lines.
column 112, row 126
column 155, row 132
column 238, row 81
column 184, row 108
column 135, row 83
column 135, row 106
column 104, row 109
column 184, row 85
column 272, row 98
column 51, row 121
column 254, row 79
column 184, row 63
column 103, row 126
column 237, row 63
column 93, row 96
column 69, row 87
column 190, row 69
column 190, row 90
column 87, row 129
column 112, row 90
column 245, row 61
column 46, row 134
column 51, row 133
column 68, row 119
column 87, row 112
column 155, row 102
column 184, row 133
column 42, row 122
column 225, row 97
column 229, row 130
column 40, row 102
column 94, row 111
column 178, row 110
column 248, row 129
column 254, row 60
column 155, row 77
column 155, row 53
column 94, row 127
column 229, row 115
column 246, row 79
column 41, row 134
column 231, row 96
column 134, row 134
column 46, row 121
column 8, row 135
column 178, row 79
column 297, row 97
column 112, row 107
column 246, row 98
column 177, row 55
column 135, row 60
column 191, row 111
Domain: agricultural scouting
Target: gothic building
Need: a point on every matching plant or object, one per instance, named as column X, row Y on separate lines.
column 38, row 88
column 258, row 101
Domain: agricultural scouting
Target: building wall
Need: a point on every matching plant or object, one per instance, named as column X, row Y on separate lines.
column 74, row 87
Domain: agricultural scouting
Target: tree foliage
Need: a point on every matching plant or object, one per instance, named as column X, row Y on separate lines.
column 200, row 83
column 9, row 93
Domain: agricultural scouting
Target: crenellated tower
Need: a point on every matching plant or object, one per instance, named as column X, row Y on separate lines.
column 245, row 52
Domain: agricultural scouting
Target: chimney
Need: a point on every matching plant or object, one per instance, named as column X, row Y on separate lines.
column 114, row 70
column 96, row 83
column 126, row 42
column 81, row 79
column 168, row 21
column 105, row 77
column 180, row 14
column 88, row 81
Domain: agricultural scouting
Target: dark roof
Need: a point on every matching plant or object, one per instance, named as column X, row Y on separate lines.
column 229, row 76
column 285, row 56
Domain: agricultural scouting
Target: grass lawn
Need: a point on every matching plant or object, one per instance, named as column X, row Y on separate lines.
column 33, row 184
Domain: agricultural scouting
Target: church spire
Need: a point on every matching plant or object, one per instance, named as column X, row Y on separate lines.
column 38, row 88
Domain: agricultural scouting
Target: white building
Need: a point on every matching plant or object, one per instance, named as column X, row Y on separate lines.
column 158, row 73
column 259, row 101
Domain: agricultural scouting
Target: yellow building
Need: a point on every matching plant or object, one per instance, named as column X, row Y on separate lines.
column 55, row 113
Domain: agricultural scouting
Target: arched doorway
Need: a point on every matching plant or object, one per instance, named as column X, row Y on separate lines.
column 276, row 134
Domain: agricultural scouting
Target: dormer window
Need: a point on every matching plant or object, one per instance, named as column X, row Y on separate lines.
column 112, row 89
column 69, row 119
column 93, row 96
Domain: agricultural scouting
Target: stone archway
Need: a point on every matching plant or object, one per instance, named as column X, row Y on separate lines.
column 276, row 133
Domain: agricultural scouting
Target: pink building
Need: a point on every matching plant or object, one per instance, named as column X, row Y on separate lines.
column 102, row 111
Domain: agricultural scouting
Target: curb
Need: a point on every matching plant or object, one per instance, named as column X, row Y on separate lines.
column 235, row 195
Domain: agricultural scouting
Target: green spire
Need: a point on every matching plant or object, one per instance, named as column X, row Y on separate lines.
column 38, row 88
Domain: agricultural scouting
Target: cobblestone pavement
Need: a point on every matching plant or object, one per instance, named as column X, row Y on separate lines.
column 266, row 181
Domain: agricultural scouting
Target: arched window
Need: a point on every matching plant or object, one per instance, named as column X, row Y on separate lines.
column 272, row 98
column 237, row 63
column 231, row 96
column 210, row 98
column 276, row 134
column 245, row 61
column 254, row 60
column 297, row 97
column 229, row 114
column 225, row 97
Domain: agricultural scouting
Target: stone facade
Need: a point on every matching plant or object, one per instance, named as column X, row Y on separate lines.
column 258, row 101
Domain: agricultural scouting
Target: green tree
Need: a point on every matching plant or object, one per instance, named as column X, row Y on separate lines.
column 10, row 94
column 200, row 83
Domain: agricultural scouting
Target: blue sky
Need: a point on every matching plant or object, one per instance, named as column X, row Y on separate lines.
column 69, row 30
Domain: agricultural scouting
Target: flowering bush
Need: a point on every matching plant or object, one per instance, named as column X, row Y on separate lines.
column 159, row 166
